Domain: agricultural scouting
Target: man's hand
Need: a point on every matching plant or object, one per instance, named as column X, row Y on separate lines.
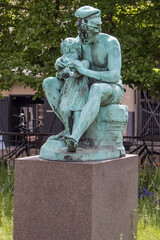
column 77, row 65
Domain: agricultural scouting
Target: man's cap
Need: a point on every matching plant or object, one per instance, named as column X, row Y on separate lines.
column 86, row 11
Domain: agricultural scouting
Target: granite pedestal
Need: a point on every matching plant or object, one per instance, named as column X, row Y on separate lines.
column 75, row 200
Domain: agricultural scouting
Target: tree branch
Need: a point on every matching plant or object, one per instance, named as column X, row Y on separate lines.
column 134, row 14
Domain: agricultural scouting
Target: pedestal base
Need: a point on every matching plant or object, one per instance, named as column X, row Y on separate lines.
column 75, row 200
column 57, row 151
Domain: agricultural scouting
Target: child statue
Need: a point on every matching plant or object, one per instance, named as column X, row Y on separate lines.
column 74, row 93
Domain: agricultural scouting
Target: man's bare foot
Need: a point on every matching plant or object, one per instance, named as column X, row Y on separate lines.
column 71, row 143
column 59, row 136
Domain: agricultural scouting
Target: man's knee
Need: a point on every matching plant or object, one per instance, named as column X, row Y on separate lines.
column 65, row 111
column 47, row 83
column 52, row 82
column 101, row 91
column 95, row 90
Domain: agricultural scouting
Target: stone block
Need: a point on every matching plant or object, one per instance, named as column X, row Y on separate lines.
column 108, row 128
column 75, row 200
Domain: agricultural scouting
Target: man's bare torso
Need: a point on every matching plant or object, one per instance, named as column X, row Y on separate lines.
column 97, row 53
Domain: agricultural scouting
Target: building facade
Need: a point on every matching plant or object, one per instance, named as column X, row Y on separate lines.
column 143, row 111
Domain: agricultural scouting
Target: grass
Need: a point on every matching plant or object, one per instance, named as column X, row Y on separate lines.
column 6, row 203
column 148, row 204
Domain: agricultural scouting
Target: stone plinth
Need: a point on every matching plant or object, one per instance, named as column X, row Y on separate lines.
column 75, row 200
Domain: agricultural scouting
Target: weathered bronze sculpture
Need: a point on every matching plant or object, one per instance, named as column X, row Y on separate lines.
column 100, row 121
column 74, row 92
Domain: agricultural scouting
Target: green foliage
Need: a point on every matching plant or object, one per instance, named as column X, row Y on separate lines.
column 148, row 220
column 149, row 205
column 148, row 209
column 6, row 203
column 31, row 32
column 150, row 179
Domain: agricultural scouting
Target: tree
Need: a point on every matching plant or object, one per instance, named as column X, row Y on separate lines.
column 139, row 34
column 31, row 32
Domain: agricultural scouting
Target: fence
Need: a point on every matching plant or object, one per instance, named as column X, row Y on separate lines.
column 13, row 145
column 147, row 148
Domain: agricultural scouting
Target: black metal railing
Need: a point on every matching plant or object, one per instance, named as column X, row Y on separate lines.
column 15, row 144
column 147, row 148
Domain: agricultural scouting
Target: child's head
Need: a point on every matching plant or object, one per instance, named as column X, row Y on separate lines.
column 71, row 46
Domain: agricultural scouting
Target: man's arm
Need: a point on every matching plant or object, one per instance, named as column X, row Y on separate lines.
column 84, row 63
column 114, row 66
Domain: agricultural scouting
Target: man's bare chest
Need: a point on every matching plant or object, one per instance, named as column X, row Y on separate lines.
column 97, row 56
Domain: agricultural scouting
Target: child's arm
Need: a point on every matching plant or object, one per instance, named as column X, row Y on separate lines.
column 63, row 73
column 61, row 63
column 75, row 74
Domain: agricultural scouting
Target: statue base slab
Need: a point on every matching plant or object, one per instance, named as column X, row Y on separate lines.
column 56, row 200
column 57, row 151
column 102, row 140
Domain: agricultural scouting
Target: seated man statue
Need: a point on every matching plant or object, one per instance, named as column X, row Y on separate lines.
column 103, row 53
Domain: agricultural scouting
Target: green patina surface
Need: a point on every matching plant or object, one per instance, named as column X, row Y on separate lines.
column 87, row 86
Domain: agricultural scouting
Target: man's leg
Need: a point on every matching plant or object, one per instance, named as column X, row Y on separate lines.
column 65, row 114
column 52, row 87
column 76, row 116
column 98, row 93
